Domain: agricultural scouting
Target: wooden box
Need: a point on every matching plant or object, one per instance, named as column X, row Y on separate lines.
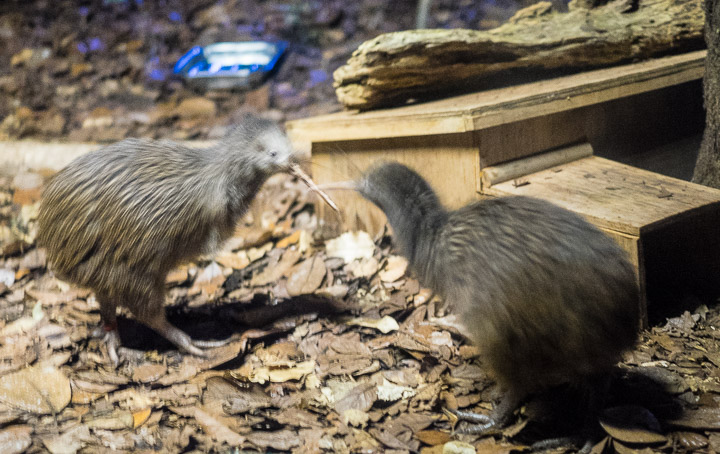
column 454, row 142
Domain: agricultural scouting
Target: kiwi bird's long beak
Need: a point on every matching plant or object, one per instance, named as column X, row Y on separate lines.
column 298, row 172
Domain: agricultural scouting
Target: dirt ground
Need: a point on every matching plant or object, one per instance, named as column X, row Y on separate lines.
column 335, row 347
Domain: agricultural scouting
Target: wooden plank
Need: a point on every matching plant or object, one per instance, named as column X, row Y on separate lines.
column 448, row 161
column 614, row 196
column 509, row 104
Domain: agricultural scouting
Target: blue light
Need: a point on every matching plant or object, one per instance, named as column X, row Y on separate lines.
column 317, row 76
column 157, row 74
column 83, row 10
column 82, row 47
column 185, row 59
column 175, row 16
column 96, row 44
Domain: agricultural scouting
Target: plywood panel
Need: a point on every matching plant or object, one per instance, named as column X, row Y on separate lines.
column 614, row 196
column 449, row 163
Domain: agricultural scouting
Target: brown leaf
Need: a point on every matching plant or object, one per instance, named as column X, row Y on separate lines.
column 703, row 418
column 235, row 260
column 139, row 417
column 38, row 389
column 15, row 439
column 148, row 372
column 192, row 365
column 211, row 426
column 394, row 269
column 433, row 437
column 306, row 277
column 361, row 397
column 690, row 440
column 115, row 420
column 69, row 442
column 632, row 424
column 273, row 273
column 283, row 440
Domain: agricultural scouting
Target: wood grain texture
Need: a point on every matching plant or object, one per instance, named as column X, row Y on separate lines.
column 614, row 196
column 491, row 108
column 417, row 64
column 447, row 161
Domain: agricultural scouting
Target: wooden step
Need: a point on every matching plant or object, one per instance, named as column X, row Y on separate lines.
column 668, row 227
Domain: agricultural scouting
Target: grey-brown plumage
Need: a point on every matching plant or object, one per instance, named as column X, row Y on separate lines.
column 547, row 297
column 118, row 219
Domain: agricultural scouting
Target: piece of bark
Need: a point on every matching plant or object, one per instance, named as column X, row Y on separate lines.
column 420, row 64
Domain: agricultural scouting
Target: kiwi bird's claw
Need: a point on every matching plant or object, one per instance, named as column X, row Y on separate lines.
column 210, row 344
column 482, row 424
column 112, row 342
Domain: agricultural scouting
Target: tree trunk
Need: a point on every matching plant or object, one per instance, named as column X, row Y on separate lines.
column 707, row 167
column 536, row 42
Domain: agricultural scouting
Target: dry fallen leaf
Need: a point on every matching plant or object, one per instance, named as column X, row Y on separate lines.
column 394, row 269
column 458, row 447
column 355, row 417
column 139, row 417
column 115, row 420
column 70, row 442
column 213, row 427
column 235, row 260
column 385, row 325
column 366, row 267
column 264, row 374
column 15, row 439
column 38, row 389
column 148, row 372
column 632, row 424
column 306, row 277
column 351, row 246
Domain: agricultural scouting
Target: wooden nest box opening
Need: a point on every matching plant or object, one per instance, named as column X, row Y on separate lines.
column 565, row 140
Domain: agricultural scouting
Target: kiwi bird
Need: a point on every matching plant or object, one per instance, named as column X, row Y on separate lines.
column 118, row 219
column 546, row 297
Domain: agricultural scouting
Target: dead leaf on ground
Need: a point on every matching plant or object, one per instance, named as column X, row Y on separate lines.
column 272, row 273
column 306, row 277
column 351, row 246
column 38, row 389
column 385, row 325
column 148, row 372
column 632, row 424
column 210, row 425
column 69, row 442
column 394, row 268
column 15, row 439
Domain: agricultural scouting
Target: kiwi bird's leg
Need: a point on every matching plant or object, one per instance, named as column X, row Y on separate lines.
column 484, row 424
column 108, row 329
column 153, row 315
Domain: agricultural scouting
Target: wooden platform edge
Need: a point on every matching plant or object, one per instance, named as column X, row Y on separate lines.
column 497, row 106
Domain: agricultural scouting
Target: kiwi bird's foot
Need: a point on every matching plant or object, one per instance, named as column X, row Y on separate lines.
column 110, row 336
column 481, row 424
column 182, row 340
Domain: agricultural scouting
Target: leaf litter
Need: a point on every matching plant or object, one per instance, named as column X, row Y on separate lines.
column 332, row 346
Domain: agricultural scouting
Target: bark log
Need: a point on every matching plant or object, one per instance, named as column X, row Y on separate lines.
column 707, row 167
column 421, row 64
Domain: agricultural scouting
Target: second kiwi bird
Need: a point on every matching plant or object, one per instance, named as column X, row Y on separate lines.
column 546, row 296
